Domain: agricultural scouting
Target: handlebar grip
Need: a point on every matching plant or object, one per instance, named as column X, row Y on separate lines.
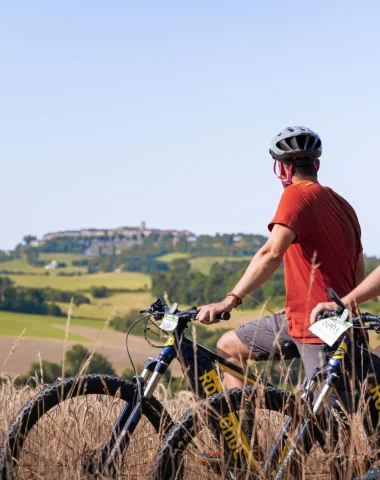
column 368, row 317
column 223, row 316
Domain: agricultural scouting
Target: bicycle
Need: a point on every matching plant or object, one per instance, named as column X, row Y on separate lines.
column 303, row 432
column 57, row 412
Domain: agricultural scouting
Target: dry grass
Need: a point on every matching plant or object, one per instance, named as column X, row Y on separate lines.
column 76, row 429
column 268, row 426
column 79, row 426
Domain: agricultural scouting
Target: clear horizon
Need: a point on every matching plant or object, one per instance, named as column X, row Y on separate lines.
column 164, row 112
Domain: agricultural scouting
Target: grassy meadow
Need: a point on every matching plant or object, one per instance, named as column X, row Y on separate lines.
column 42, row 326
column 21, row 265
column 67, row 258
column 116, row 304
column 169, row 257
column 200, row 264
column 83, row 283
column 204, row 264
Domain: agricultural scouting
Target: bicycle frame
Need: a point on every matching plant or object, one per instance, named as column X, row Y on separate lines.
column 363, row 366
column 202, row 368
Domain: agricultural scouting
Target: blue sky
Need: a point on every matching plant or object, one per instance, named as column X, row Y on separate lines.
column 117, row 112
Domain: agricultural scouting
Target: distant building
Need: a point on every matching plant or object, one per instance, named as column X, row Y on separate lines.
column 128, row 232
column 51, row 265
column 65, row 233
column 35, row 243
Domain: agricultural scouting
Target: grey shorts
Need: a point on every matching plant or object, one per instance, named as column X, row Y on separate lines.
column 268, row 339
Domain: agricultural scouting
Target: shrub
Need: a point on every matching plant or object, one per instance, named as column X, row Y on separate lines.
column 99, row 292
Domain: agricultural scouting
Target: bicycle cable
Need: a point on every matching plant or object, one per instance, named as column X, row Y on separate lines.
column 127, row 338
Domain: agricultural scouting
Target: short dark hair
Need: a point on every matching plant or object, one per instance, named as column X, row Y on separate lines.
column 305, row 170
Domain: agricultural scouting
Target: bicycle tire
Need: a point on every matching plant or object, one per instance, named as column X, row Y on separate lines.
column 54, row 395
column 169, row 464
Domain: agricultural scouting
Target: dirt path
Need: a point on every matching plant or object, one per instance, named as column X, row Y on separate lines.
column 109, row 343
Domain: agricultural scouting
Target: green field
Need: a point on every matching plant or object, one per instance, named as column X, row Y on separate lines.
column 201, row 264
column 122, row 280
column 20, row 265
column 204, row 264
column 63, row 257
column 42, row 326
column 117, row 304
column 169, row 257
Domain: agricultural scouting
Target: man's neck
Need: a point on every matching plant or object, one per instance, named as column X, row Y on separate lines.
column 307, row 178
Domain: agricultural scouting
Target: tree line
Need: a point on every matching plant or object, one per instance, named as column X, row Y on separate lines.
column 142, row 255
column 75, row 358
column 195, row 288
column 35, row 300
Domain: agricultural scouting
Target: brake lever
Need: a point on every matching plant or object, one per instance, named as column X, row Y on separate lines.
column 337, row 300
column 157, row 306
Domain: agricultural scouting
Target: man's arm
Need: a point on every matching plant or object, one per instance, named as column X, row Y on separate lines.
column 262, row 266
column 367, row 290
column 266, row 261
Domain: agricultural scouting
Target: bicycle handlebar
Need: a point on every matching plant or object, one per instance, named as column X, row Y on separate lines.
column 191, row 314
column 357, row 320
column 158, row 310
column 368, row 317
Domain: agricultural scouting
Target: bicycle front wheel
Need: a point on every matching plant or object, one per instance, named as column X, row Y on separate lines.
column 195, row 449
column 59, row 433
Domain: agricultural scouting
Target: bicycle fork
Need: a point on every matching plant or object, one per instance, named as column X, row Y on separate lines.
column 116, row 444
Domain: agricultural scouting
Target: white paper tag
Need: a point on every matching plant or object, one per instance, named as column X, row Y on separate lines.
column 330, row 329
column 169, row 323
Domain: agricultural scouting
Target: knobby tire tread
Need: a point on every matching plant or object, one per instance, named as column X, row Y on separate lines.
column 54, row 394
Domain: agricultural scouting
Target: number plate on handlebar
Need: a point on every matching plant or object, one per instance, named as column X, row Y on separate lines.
column 169, row 323
column 330, row 329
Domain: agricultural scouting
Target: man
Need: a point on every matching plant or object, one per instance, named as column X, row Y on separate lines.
column 367, row 290
column 317, row 235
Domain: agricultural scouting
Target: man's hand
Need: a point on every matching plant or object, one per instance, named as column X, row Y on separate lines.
column 281, row 312
column 320, row 308
column 207, row 313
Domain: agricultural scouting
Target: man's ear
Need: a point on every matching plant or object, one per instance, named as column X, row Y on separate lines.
column 317, row 163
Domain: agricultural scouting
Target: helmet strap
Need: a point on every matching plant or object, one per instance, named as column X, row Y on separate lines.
column 285, row 178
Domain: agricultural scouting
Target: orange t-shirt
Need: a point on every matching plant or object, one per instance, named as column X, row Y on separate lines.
column 324, row 254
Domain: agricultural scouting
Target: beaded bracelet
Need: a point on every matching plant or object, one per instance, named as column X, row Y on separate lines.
column 238, row 300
